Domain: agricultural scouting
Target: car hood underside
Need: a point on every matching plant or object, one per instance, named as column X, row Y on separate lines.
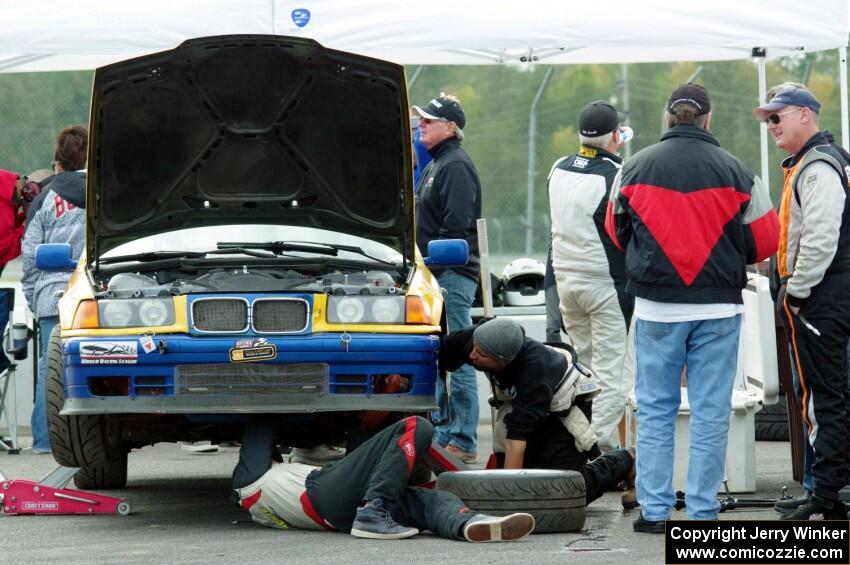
column 260, row 129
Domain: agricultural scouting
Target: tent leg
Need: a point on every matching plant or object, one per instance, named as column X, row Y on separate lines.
column 845, row 117
column 765, row 165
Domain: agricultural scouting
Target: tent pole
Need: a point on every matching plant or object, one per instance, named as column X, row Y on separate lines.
column 532, row 155
column 765, row 164
column 845, row 118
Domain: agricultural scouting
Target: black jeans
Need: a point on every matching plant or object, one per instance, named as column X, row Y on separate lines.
column 822, row 365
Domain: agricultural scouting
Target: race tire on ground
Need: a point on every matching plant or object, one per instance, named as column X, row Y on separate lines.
column 81, row 441
column 556, row 499
column 772, row 422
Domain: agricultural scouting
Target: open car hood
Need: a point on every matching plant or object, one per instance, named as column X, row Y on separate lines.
column 249, row 129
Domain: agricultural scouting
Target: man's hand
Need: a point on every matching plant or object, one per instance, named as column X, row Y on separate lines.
column 514, row 453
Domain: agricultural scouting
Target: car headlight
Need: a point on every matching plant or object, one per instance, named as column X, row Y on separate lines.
column 366, row 309
column 132, row 312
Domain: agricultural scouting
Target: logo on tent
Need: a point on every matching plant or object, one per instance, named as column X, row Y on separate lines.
column 301, row 17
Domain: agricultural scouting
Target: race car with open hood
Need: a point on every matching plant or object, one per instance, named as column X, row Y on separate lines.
column 250, row 249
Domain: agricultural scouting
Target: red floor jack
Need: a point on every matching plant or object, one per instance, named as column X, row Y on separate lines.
column 49, row 496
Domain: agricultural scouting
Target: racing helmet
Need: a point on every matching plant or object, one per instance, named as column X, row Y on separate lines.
column 522, row 283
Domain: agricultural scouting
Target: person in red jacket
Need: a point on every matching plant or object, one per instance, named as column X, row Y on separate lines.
column 11, row 217
column 690, row 217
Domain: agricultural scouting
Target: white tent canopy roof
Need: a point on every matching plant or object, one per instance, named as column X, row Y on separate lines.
column 48, row 35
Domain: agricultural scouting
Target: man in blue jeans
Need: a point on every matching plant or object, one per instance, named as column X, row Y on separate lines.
column 448, row 204
column 690, row 216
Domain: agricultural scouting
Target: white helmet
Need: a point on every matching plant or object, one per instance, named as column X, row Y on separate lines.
column 522, row 281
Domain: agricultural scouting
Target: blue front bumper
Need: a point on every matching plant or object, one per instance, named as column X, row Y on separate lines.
column 185, row 374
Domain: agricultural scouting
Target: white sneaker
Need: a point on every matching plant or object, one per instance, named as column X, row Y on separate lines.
column 200, row 447
column 317, row 455
column 482, row 528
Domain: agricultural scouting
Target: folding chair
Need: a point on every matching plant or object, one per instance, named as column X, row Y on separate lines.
column 14, row 343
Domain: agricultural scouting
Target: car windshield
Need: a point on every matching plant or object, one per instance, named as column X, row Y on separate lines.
column 206, row 239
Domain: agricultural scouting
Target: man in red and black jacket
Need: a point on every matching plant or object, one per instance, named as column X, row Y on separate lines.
column 690, row 217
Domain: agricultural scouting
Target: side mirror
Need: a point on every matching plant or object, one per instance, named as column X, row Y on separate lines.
column 447, row 253
column 54, row 257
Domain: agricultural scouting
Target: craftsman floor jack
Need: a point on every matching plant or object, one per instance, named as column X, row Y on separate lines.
column 49, row 496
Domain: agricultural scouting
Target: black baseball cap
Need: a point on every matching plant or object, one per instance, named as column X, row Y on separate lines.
column 788, row 96
column 599, row 118
column 692, row 94
column 443, row 108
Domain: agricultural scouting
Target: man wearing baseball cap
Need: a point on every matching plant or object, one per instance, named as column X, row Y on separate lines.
column 814, row 271
column 690, row 217
column 448, row 205
column 589, row 269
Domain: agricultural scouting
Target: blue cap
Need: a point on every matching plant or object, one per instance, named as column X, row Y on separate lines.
column 788, row 96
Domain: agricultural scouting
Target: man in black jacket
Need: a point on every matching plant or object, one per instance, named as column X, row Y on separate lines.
column 448, row 204
column 540, row 392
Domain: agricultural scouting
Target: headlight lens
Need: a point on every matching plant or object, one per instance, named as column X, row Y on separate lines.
column 132, row 312
column 366, row 309
column 153, row 313
column 387, row 310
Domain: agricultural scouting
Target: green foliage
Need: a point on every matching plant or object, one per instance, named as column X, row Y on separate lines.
column 497, row 100
column 36, row 106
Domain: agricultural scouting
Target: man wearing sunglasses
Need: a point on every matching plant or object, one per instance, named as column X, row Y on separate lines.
column 814, row 296
column 448, row 204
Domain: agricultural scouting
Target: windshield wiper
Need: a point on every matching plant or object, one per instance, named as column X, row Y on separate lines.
column 150, row 256
column 279, row 247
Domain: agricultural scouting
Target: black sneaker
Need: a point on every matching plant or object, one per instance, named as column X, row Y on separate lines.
column 790, row 504
column 815, row 510
column 644, row 526
column 483, row 528
column 373, row 521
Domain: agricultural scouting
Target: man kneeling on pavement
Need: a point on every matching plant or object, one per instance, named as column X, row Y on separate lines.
column 544, row 398
column 366, row 493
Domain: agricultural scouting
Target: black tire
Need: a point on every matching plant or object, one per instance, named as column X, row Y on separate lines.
column 556, row 499
column 86, row 442
column 109, row 475
column 772, row 422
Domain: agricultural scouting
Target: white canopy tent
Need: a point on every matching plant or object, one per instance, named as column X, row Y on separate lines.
column 51, row 35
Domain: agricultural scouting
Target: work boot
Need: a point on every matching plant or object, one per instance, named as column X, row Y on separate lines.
column 373, row 521
column 790, row 504
column 817, row 509
column 483, row 528
column 629, row 497
column 466, row 456
column 644, row 526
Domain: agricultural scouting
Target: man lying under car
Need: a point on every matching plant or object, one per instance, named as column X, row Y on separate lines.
column 544, row 399
column 366, row 493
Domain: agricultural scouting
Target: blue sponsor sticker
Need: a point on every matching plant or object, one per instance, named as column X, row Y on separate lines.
column 301, row 17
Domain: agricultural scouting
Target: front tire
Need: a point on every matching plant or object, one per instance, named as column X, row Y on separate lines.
column 87, row 442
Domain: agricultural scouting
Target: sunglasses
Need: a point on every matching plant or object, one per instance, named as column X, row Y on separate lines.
column 427, row 121
column 776, row 118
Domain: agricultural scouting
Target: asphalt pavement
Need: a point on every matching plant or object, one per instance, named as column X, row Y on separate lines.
column 181, row 514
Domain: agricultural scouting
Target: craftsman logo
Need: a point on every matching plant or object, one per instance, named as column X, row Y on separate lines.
column 109, row 353
column 301, row 17
column 248, row 350
column 40, row 506
column 580, row 163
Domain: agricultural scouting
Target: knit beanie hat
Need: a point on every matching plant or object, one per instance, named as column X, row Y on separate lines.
column 500, row 338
